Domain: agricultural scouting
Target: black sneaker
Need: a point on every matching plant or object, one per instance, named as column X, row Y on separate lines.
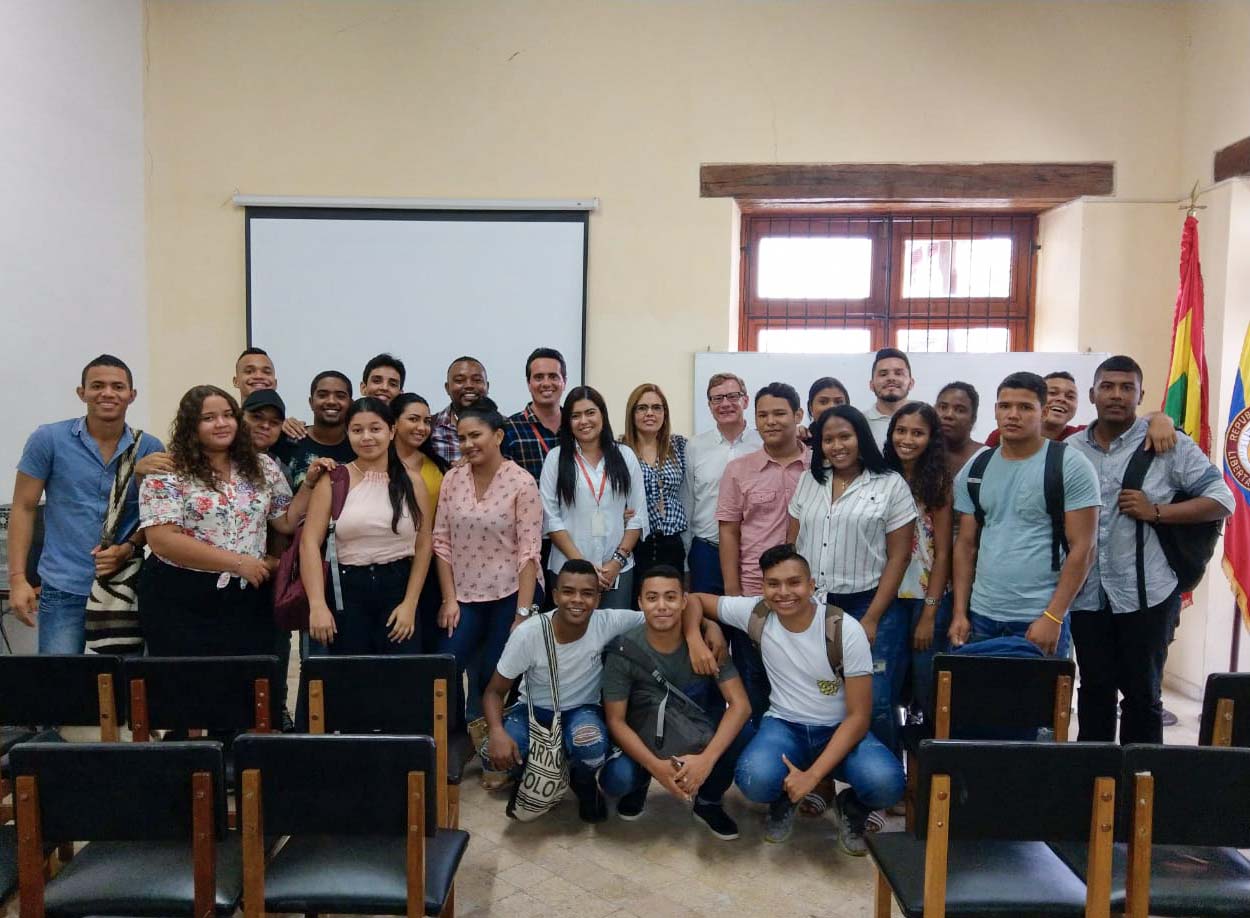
column 851, row 825
column 591, row 806
column 780, row 822
column 630, row 806
column 713, row 816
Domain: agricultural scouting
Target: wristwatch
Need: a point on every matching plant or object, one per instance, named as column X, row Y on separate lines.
column 930, row 601
column 527, row 611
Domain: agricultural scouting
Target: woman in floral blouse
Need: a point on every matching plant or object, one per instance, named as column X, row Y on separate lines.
column 487, row 542
column 663, row 458
column 201, row 591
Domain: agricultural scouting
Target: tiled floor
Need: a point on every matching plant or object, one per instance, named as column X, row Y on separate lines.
column 665, row 864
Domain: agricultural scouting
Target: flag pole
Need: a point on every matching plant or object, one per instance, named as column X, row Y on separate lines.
column 1235, row 654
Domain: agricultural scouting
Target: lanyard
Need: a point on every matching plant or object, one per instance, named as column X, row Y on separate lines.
column 542, row 441
column 586, row 474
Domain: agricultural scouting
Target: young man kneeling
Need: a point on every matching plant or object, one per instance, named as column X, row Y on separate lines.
column 580, row 635
column 690, row 769
column 817, row 720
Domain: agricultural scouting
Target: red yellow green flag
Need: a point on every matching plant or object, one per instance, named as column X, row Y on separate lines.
column 1185, row 400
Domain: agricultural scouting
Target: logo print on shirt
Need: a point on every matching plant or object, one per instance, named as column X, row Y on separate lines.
column 828, row 686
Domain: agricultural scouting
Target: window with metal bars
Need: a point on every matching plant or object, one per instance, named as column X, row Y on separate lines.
column 834, row 283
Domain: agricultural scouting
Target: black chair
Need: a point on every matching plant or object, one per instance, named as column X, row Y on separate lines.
column 397, row 695
column 985, row 814
column 48, row 690
column 153, row 816
column 215, row 694
column 364, row 836
column 983, row 697
column 1225, row 710
column 1184, row 810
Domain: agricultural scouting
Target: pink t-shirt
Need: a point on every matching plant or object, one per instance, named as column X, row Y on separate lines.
column 362, row 533
column 487, row 542
column 755, row 492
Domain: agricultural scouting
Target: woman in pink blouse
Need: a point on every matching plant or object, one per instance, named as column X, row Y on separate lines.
column 487, row 541
column 203, row 589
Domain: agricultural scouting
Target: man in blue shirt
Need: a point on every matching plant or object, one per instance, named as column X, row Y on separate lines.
column 1017, row 592
column 73, row 463
column 1123, row 626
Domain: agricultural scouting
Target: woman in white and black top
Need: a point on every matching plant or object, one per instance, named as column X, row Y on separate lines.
column 853, row 519
column 588, row 484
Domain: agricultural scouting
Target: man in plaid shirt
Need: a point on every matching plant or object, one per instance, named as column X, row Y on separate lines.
column 531, row 432
column 466, row 383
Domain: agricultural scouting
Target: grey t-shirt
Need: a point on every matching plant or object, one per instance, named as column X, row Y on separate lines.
column 619, row 675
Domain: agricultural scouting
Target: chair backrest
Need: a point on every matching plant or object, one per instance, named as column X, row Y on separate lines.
column 1016, row 791
column 1201, row 793
column 1234, row 687
column 59, row 691
column 992, row 697
column 336, row 784
column 210, row 693
column 120, row 791
column 377, row 694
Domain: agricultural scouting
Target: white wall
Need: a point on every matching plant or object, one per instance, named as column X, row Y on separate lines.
column 72, row 267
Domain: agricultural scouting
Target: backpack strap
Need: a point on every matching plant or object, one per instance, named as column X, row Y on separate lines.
column 975, row 475
column 1052, row 486
column 755, row 624
column 340, row 484
column 1134, row 478
column 833, row 638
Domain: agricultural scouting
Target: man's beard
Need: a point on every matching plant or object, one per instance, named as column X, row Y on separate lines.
column 891, row 397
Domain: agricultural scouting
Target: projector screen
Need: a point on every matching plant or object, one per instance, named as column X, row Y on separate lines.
column 930, row 371
column 327, row 289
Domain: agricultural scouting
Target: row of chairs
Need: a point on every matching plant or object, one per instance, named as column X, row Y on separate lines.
column 330, row 823
column 1069, row 829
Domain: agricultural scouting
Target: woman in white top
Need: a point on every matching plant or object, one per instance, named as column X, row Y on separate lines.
column 853, row 520
column 588, row 485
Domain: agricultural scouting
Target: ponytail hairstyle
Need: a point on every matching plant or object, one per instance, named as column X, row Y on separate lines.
column 484, row 410
column 426, row 449
column 399, row 484
column 613, row 460
column 931, row 478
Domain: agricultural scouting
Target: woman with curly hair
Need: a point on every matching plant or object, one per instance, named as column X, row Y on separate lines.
column 916, row 449
column 200, row 592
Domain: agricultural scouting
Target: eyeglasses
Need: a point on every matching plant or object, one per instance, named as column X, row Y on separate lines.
column 648, row 409
column 728, row 397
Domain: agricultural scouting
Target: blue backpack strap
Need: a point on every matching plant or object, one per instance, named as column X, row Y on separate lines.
column 1134, row 478
column 1052, row 485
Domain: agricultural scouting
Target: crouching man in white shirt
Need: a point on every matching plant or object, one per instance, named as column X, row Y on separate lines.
column 817, row 720
column 580, row 634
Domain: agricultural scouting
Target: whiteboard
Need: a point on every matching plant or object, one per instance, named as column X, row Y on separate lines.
column 931, row 372
column 327, row 290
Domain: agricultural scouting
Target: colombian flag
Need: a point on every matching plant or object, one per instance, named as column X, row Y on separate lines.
column 1185, row 401
column 1237, row 476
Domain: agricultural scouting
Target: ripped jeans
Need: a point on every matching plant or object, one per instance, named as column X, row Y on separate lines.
column 585, row 739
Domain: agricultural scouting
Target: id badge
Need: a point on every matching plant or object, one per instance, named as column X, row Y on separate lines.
column 599, row 525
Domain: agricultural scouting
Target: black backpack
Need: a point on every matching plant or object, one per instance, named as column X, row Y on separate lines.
column 1052, row 485
column 1188, row 547
column 668, row 720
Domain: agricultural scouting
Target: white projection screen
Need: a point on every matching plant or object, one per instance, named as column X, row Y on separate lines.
column 327, row 289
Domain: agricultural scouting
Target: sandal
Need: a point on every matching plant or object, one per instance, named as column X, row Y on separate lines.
column 815, row 803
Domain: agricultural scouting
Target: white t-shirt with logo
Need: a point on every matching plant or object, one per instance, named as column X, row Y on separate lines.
column 804, row 690
column 579, row 664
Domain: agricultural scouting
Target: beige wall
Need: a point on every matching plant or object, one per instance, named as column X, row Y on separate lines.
column 619, row 100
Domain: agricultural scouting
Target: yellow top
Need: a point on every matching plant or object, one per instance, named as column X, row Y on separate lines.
column 433, row 479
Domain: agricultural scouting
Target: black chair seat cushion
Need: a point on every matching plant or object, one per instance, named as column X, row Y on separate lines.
column 1184, row 880
column 8, row 861
column 141, row 878
column 359, row 874
column 42, row 736
column 1021, row 879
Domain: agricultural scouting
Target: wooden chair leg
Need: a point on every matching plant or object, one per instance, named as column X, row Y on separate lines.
column 937, row 847
column 416, row 844
column 1222, row 733
column 30, row 860
column 203, row 845
column 449, row 907
column 140, row 732
column 261, row 722
column 442, row 806
column 316, row 706
column 253, row 847
column 942, row 706
column 6, row 809
column 1137, row 886
column 453, row 805
column 1063, row 708
column 884, row 895
column 108, row 708
column 1098, row 870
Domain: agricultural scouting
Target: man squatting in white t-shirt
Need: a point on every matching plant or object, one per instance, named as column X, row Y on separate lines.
column 816, row 724
column 581, row 633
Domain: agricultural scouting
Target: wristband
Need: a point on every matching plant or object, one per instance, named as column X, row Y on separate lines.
column 1057, row 621
column 1156, row 514
column 930, row 601
column 619, row 557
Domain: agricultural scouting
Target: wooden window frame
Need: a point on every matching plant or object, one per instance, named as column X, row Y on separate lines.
column 886, row 311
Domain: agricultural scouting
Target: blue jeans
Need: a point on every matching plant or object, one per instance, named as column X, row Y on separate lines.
column 891, row 658
column 984, row 628
column 873, row 771
column 61, row 621
column 477, row 644
column 704, row 564
column 922, row 660
column 585, row 738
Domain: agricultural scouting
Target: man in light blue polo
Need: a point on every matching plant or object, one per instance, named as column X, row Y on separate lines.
column 73, row 463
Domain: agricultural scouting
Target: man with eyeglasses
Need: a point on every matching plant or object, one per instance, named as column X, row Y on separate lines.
column 706, row 458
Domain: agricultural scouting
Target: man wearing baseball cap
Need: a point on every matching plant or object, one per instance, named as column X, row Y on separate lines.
column 264, row 411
